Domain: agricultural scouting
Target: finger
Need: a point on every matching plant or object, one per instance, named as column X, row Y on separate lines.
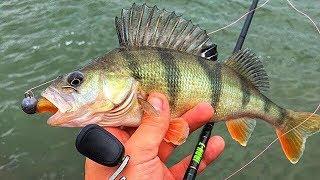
column 165, row 150
column 195, row 117
column 130, row 130
column 94, row 170
column 198, row 116
column 152, row 129
column 215, row 147
column 120, row 134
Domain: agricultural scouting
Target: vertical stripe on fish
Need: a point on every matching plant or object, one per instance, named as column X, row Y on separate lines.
column 215, row 82
column 267, row 105
column 132, row 63
column 246, row 94
column 172, row 75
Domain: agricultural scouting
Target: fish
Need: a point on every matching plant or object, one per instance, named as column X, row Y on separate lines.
column 160, row 51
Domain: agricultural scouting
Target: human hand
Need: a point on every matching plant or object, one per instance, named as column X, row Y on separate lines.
column 147, row 150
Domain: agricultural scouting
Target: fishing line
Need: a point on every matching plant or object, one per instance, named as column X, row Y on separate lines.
column 264, row 150
column 260, row 6
column 234, row 22
column 303, row 13
column 29, row 92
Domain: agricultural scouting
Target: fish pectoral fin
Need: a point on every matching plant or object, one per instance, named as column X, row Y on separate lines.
column 147, row 107
column 241, row 129
column 178, row 131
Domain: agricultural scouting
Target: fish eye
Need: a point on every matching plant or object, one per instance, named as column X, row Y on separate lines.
column 75, row 78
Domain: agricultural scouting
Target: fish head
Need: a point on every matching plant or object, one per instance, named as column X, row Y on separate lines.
column 91, row 96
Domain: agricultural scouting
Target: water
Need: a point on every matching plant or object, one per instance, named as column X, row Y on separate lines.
column 42, row 39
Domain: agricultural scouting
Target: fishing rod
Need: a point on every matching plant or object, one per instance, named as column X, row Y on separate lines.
column 205, row 134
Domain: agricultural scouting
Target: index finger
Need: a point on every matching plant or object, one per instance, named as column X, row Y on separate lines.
column 198, row 116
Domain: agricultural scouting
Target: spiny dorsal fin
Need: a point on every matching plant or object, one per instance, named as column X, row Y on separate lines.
column 241, row 129
column 144, row 26
column 250, row 67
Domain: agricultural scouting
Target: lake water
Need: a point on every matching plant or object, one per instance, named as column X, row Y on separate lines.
column 40, row 40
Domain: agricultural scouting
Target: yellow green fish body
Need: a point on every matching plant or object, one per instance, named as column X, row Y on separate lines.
column 161, row 52
column 188, row 80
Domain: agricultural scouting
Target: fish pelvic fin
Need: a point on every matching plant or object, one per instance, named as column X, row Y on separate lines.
column 293, row 133
column 178, row 131
column 241, row 129
column 250, row 67
column 144, row 26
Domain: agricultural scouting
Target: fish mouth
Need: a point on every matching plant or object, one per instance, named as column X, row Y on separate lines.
column 54, row 119
column 52, row 102
column 44, row 105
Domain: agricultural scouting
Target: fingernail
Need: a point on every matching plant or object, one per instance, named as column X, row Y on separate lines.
column 156, row 103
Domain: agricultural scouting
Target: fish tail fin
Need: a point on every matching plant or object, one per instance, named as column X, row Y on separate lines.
column 178, row 131
column 297, row 126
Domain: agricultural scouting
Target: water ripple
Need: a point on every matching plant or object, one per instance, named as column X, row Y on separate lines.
column 7, row 133
column 43, row 39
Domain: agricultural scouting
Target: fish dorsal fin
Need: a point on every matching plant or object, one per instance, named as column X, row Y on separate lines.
column 144, row 26
column 250, row 67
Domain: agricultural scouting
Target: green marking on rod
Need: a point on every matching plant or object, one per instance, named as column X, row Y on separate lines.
column 199, row 152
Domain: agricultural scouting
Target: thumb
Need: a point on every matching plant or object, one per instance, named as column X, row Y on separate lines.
column 153, row 127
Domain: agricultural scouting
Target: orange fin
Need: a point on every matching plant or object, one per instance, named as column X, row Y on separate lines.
column 297, row 126
column 178, row 131
column 292, row 145
column 241, row 129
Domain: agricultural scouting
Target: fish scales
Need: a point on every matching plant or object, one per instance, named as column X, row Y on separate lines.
column 162, row 70
column 179, row 76
column 162, row 52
